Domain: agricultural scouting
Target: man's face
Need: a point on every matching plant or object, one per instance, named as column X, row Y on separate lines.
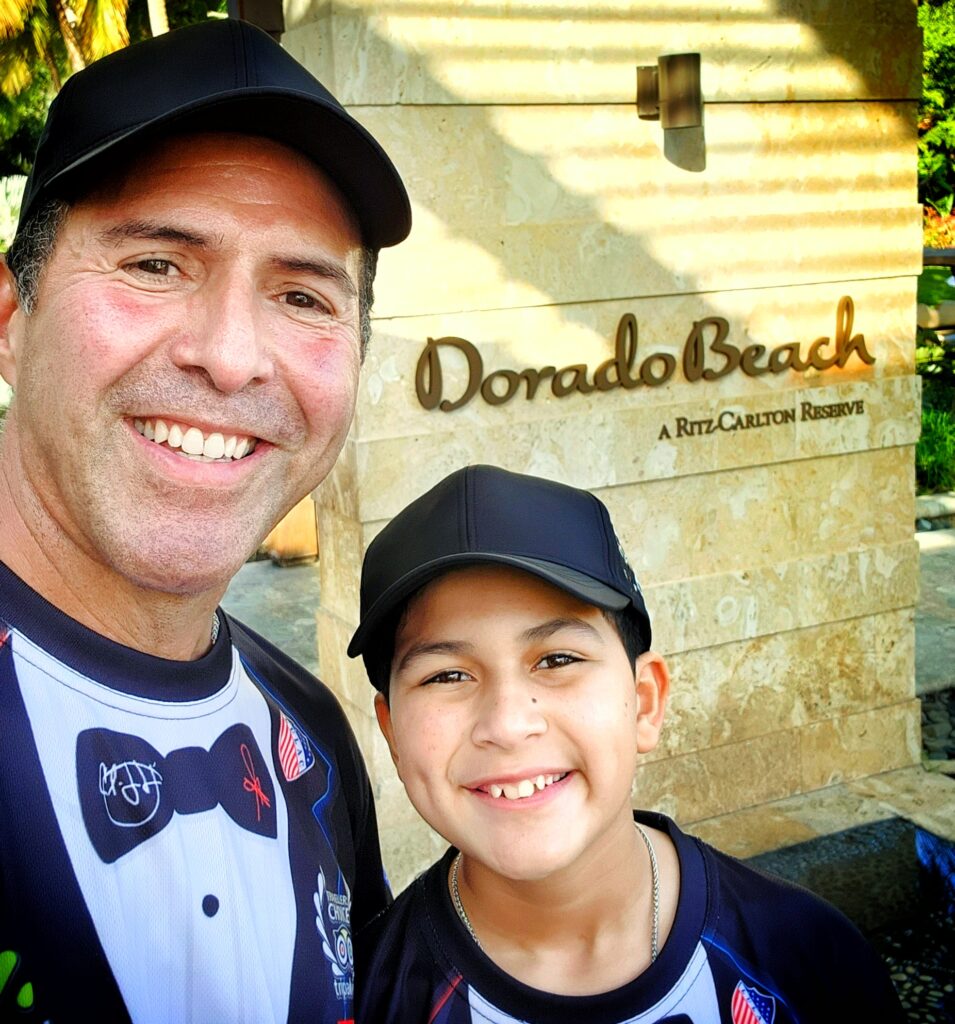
column 213, row 287
column 515, row 720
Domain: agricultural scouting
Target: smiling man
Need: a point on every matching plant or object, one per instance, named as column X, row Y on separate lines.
column 186, row 828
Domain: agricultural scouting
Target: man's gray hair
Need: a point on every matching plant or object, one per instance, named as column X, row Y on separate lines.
column 30, row 252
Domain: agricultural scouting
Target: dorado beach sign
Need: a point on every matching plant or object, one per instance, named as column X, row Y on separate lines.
column 708, row 354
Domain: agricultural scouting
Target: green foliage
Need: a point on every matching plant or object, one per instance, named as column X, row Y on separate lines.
column 179, row 12
column 935, row 452
column 937, row 109
column 934, row 287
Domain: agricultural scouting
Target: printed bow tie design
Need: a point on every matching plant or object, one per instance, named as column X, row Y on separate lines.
column 129, row 793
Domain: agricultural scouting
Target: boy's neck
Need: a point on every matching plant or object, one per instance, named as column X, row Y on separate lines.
column 569, row 933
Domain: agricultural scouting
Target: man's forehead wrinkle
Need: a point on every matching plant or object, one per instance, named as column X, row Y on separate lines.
column 158, row 230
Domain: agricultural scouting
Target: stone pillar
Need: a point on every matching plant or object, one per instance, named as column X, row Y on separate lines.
column 762, row 484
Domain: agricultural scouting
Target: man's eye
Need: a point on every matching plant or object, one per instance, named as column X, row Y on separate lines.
column 302, row 300
column 159, row 268
column 557, row 660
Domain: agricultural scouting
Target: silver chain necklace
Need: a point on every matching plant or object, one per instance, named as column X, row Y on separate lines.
column 654, row 873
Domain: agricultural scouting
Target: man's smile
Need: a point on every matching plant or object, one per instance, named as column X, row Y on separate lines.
column 193, row 443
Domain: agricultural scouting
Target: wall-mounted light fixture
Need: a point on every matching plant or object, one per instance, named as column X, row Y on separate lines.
column 670, row 91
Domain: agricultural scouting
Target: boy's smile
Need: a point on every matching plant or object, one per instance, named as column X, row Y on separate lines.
column 515, row 719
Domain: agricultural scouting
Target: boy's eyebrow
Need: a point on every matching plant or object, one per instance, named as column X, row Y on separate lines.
column 547, row 629
column 419, row 650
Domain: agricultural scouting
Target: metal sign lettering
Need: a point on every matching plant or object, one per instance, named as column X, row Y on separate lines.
column 707, row 355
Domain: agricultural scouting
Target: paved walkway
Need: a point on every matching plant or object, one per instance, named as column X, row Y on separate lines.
column 935, row 614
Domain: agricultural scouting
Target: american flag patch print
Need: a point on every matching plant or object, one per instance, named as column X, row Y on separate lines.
column 751, row 1006
column 295, row 755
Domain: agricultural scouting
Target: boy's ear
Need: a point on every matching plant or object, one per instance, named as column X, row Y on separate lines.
column 11, row 326
column 383, row 714
column 652, row 680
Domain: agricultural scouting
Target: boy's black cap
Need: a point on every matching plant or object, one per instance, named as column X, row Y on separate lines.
column 219, row 75
column 487, row 515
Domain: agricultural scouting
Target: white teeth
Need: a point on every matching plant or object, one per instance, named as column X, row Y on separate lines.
column 214, row 448
column 192, row 441
column 524, row 788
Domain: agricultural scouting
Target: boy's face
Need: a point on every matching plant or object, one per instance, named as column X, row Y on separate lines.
column 515, row 719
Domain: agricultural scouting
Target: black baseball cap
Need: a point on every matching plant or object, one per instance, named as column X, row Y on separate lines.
column 488, row 515
column 219, row 75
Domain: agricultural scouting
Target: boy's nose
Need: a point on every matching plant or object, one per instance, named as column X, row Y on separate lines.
column 508, row 714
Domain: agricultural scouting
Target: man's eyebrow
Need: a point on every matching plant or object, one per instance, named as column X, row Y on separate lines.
column 328, row 269
column 547, row 629
column 419, row 650
column 157, row 230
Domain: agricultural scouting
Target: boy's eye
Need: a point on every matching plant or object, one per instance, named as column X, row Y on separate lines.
column 557, row 660
column 450, row 675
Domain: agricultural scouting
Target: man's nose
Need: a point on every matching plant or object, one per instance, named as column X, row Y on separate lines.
column 508, row 713
column 226, row 335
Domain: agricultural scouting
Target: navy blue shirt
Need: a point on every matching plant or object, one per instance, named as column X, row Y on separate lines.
column 744, row 949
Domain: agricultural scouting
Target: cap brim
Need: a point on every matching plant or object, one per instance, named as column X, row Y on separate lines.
column 575, row 583
column 337, row 144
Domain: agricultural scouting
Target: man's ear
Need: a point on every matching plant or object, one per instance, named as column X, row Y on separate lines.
column 11, row 326
column 383, row 713
column 652, row 680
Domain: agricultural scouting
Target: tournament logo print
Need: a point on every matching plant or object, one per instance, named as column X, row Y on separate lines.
column 750, row 1006
column 333, row 921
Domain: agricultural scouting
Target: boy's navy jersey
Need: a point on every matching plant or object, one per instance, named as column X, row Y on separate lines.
column 744, row 949
column 179, row 841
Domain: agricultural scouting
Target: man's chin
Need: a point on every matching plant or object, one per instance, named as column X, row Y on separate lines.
column 182, row 569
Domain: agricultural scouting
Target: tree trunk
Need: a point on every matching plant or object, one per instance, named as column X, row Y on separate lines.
column 73, row 52
column 158, row 21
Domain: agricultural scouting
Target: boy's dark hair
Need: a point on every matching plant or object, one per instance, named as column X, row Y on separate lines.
column 381, row 650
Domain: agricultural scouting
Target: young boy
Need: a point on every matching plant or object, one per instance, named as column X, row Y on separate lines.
column 510, row 647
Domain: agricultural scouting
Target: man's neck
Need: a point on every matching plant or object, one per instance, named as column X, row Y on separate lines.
column 173, row 626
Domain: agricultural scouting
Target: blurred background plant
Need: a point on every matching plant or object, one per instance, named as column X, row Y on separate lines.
column 935, row 350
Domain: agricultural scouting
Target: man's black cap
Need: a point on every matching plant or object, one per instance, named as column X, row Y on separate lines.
column 220, row 75
column 487, row 515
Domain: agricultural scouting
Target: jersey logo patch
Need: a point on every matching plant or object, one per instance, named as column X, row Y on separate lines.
column 295, row 754
column 333, row 921
column 750, row 1006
